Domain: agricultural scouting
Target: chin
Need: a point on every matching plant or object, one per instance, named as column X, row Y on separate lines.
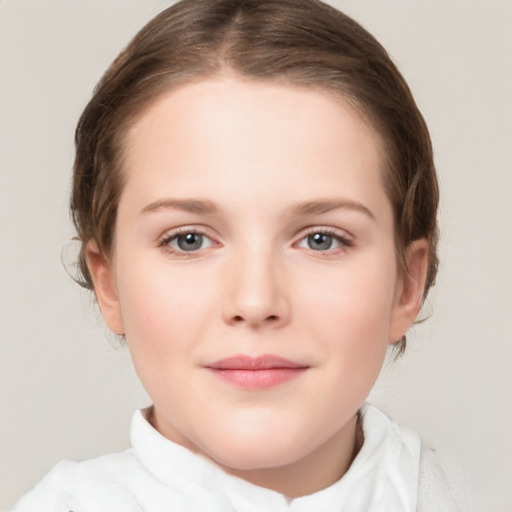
column 257, row 458
column 250, row 452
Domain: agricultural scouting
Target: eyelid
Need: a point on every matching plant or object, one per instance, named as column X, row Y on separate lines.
column 343, row 237
column 171, row 234
column 328, row 230
column 325, row 227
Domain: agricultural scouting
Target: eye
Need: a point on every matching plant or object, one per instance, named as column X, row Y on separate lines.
column 324, row 240
column 186, row 241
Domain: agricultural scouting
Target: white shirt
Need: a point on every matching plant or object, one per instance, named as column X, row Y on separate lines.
column 391, row 473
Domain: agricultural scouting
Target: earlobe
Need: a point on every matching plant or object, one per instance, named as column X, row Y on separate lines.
column 105, row 288
column 410, row 289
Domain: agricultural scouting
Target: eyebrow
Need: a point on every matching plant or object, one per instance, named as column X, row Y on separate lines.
column 305, row 208
column 327, row 205
column 187, row 205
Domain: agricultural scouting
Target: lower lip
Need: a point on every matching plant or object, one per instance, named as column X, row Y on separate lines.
column 258, row 379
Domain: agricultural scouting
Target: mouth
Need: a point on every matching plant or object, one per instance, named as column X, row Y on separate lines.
column 256, row 372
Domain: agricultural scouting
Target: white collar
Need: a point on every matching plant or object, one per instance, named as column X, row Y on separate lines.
column 383, row 476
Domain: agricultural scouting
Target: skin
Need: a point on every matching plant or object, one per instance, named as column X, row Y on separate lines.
column 257, row 168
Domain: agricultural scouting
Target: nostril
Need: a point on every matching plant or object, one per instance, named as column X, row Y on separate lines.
column 270, row 318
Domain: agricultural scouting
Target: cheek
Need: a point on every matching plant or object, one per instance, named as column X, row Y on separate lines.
column 352, row 307
column 165, row 317
column 354, row 320
column 164, row 310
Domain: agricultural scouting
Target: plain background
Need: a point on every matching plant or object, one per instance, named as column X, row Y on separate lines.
column 66, row 392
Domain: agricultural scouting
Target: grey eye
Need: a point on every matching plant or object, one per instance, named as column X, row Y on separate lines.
column 324, row 241
column 189, row 241
column 320, row 241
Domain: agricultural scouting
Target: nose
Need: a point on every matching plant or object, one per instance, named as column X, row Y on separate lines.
column 256, row 292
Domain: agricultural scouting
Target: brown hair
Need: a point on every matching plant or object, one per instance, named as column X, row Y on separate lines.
column 299, row 42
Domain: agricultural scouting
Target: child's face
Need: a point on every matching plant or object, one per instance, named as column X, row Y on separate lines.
column 254, row 222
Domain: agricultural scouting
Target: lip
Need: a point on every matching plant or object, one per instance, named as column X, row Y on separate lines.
column 260, row 372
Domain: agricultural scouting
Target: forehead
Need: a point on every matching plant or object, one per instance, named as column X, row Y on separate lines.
column 251, row 136
column 280, row 103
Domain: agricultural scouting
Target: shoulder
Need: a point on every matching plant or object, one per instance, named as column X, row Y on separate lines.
column 434, row 482
column 83, row 486
column 444, row 486
column 434, row 491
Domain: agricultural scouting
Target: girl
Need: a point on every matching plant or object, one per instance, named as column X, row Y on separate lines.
column 256, row 200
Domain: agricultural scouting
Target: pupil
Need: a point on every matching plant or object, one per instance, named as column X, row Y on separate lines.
column 319, row 241
column 190, row 241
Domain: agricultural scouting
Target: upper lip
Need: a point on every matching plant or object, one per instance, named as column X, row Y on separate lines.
column 244, row 362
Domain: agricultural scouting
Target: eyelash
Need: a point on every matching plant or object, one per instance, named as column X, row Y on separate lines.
column 344, row 241
column 165, row 242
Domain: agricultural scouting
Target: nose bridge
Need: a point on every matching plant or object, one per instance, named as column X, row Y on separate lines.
column 257, row 288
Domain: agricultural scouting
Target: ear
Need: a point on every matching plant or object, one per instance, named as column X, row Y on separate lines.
column 409, row 290
column 102, row 274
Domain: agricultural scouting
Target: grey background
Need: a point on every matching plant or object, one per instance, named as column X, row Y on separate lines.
column 66, row 392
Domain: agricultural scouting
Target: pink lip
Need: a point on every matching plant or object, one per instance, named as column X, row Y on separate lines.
column 256, row 372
